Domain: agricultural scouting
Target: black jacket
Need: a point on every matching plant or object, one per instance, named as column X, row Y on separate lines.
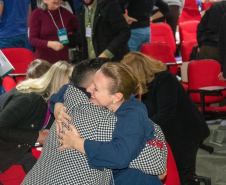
column 110, row 30
column 222, row 45
column 21, row 118
column 170, row 107
column 208, row 28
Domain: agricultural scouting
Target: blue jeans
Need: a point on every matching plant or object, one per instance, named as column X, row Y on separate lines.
column 139, row 37
column 20, row 41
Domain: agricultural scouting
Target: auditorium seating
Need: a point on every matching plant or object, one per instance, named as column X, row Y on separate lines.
column 206, row 6
column 188, row 30
column 205, row 88
column 15, row 174
column 190, row 11
column 186, row 48
column 161, row 51
column 20, row 58
column 161, row 32
column 172, row 177
column 8, row 83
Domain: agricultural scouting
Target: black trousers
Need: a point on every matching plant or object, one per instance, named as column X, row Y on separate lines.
column 171, row 17
column 27, row 162
column 186, row 165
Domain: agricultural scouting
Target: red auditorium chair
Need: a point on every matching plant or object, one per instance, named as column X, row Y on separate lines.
column 172, row 177
column 161, row 51
column 8, row 83
column 190, row 11
column 188, row 30
column 205, row 88
column 186, row 48
column 161, row 32
column 15, row 174
column 206, row 6
column 20, row 58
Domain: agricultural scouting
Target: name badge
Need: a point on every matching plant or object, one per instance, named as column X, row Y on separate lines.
column 62, row 35
column 88, row 32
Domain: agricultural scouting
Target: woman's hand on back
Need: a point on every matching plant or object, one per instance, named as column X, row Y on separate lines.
column 61, row 117
column 55, row 45
column 42, row 136
column 70, row 139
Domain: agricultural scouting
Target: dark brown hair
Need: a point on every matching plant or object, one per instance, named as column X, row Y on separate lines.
column 122, row 79
column 37, row 68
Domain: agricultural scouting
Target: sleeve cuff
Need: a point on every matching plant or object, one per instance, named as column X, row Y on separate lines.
column 108, row 53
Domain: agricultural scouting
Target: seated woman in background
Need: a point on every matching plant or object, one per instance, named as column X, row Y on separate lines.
column 37, row 68
column 170, row 107
column 24, row 116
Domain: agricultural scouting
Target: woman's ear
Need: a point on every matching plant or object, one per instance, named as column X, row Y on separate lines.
column 117, row 97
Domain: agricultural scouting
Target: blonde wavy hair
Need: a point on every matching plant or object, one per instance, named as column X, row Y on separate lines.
column 144, row 67
column 49, row 83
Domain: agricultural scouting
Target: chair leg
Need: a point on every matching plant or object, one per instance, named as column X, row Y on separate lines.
column 207, row 148
column 205, row 180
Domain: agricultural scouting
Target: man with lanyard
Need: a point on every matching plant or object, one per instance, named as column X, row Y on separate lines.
column 104, row 31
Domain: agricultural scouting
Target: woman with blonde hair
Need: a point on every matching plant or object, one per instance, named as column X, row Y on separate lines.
column 170, row 107
column 25, row 117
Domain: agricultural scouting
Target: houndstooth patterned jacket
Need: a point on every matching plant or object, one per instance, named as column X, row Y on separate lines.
column 93, row 123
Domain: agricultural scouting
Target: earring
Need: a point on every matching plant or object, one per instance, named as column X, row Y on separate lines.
column 113, row 102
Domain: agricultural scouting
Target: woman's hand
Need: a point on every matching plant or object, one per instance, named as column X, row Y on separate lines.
column 129, row 19
column 61, row 117
column 42, row 136
column 220, row 76
column 70, row 139
column 55, row 45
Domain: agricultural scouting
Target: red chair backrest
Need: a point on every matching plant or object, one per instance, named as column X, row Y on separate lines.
column 160, row 51
column 206, row 6
column 161, row 32
column 15, row 174
column 204, row 73
column 190, row 3
column 20, row 58
column 172, row 177
column 189, row 14
column 186, row 48
column 8, row 83
column 188, row 30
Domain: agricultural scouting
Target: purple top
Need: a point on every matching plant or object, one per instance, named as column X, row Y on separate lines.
column 43, row 29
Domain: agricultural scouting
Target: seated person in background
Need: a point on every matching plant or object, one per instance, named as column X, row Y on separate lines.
column 208, row 31
column 24, row 116
column 170, row 107
column 37, row 68
column 95, row 123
